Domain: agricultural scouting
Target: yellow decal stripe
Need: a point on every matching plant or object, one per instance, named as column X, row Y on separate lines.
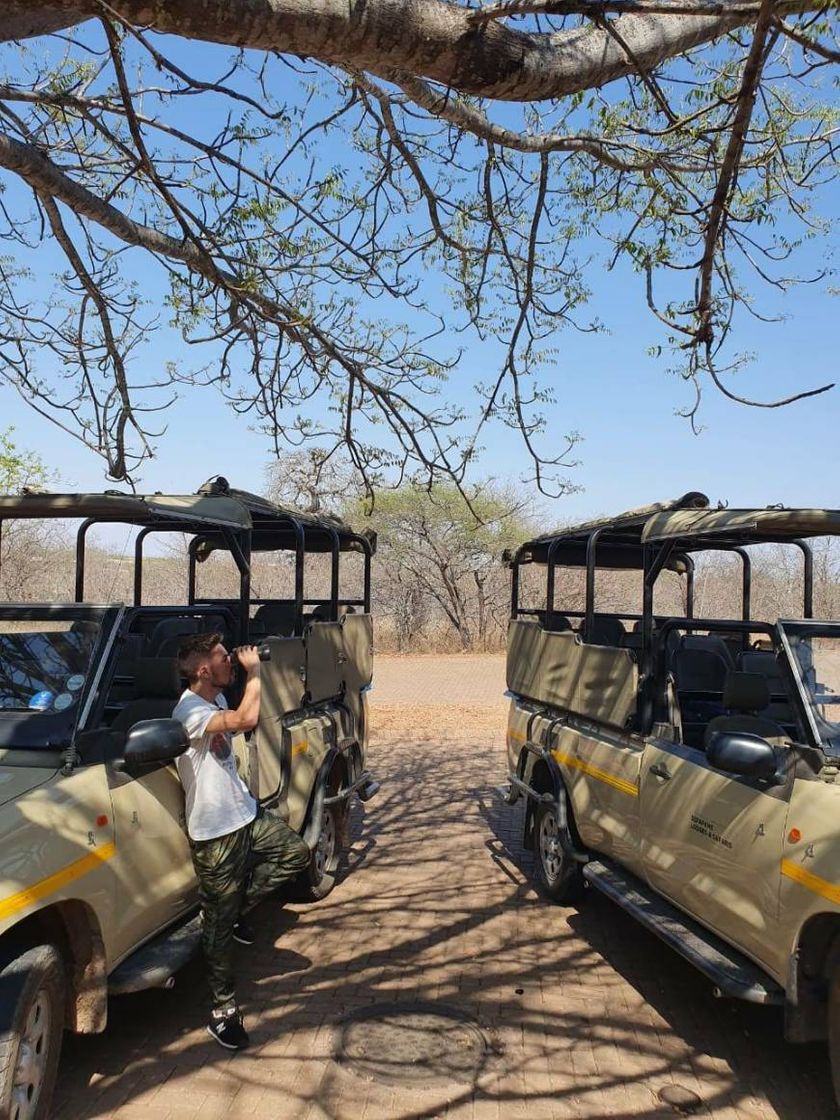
column 517, row 736
column 811, row 882
column 630, row 788
column 22, row 899
column 300, row 748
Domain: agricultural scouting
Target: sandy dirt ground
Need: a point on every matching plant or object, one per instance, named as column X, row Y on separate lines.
column 435, row 982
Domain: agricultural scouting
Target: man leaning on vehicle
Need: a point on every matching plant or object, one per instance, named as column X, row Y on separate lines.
column 229, row 835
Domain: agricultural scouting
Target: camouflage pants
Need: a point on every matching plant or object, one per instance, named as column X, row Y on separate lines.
column 271, row 853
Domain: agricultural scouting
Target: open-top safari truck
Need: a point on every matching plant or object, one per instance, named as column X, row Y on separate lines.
column 97, row 891
column 688, row 767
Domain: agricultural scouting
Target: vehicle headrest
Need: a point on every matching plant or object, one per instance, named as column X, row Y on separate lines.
column 158, row 677
column 746, row 692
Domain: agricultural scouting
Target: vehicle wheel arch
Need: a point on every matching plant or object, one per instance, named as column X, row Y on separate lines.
column 545, row 778
column 73, row 927
column 815, row 957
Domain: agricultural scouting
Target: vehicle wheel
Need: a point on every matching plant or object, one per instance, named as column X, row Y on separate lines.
column 559, row 877
column 319, row 877
column 834, row 1029
column 32, row 998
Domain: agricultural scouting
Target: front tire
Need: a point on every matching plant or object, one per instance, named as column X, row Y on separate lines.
column 32, row 1001
column 558, row 874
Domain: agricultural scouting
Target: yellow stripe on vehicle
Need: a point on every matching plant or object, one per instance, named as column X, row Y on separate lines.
column 25, row 898
column 630, row 788
column 300, row 748
column 517, row 736
column 811, row 882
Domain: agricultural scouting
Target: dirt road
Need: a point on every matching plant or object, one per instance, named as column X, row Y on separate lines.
column 434, row 982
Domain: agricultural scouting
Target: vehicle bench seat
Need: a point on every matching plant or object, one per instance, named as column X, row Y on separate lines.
column 157, row 687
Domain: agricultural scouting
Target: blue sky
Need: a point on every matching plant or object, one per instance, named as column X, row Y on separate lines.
column 622, row 401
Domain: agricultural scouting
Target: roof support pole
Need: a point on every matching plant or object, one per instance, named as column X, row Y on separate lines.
column 746, row 583
column 591, row 545
column 239, row 544
column 514, row 588
column 689, row 587
column 300, row 543
column 79, row 593
column 191, row 570
column 655, row 561
column 808, row 578
column 549, row 583
column 368, row 553
column 334, row 562
column 138, row 564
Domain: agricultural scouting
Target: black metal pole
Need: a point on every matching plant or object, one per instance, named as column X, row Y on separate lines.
column 549, row 585
column 808, row 578
column 514, row 588
column 746, row 584
column 191, row 570
column 80, row 559
column 336, row 553
column 689, row 587
column 591, row 546
column 138, row 564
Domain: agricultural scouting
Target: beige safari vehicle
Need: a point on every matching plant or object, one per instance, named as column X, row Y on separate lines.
column 688, row 768
column 97, row 892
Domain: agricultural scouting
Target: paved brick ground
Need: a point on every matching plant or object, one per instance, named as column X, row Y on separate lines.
column 585, row 1015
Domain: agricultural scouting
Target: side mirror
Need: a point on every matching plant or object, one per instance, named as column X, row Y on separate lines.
column 153, row 741
column 739, row 752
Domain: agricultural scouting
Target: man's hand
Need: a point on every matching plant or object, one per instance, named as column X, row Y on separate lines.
column 249, row 658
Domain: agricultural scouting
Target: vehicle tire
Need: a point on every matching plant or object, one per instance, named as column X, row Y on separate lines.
column 559, row 876
column 834, row 1028
column 319, row 878
column 32, row 999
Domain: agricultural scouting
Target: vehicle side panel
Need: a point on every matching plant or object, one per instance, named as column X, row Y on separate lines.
column 712, row 844
column 52, row 849
column 810, row 871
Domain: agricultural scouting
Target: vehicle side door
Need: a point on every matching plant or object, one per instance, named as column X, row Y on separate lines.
column 713, row 842
column 153, row 866
column 600, row 757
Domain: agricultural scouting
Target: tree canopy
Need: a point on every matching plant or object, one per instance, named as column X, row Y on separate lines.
column 332, row 201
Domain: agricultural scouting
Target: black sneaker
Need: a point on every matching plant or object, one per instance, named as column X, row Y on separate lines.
column 243, row 933
column 228, row 1030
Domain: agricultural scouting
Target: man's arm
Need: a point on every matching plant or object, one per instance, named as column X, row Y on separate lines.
column 245, row 717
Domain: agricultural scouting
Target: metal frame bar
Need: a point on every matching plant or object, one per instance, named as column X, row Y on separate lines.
column 138, row 563
column 807, row 577
column 79, row 590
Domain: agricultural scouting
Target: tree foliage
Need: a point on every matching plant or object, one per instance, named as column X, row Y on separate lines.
column 335, row 201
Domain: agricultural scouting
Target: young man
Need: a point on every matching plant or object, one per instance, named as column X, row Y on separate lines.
column 229, row 837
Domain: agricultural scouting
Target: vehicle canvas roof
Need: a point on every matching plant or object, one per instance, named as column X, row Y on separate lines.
column 688, row 522
column 214, row 506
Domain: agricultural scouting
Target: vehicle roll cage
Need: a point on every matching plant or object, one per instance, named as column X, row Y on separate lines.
column 622, row 543
column 238, row 523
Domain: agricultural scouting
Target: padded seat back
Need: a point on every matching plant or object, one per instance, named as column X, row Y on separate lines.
column 746, row 695
column 606, row 631
column 157, row 687
column 710, row 642
column 275, row 618
column 699, row 670
column 169, row 629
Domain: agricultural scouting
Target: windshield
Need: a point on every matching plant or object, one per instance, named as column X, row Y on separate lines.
column 46, row 661
column 816, row 657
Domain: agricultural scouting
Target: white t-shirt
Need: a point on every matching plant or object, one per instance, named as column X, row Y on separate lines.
column 218, row 801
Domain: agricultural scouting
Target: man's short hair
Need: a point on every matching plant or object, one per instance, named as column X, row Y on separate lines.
column 194, row 650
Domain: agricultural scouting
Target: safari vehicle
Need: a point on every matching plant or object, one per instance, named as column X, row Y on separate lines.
column 685, row 767
column 97, row 891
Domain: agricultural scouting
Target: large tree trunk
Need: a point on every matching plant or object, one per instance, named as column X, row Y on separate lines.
column 430, row 39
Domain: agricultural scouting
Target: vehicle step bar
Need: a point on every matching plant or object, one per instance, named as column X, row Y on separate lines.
column 155, row 964
column 366, row 786
column 732, row 974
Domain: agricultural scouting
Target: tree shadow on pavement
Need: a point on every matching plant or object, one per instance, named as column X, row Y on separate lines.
column 585, row 1014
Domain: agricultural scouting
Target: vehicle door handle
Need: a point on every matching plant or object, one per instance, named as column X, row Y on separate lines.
column 661, row 770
